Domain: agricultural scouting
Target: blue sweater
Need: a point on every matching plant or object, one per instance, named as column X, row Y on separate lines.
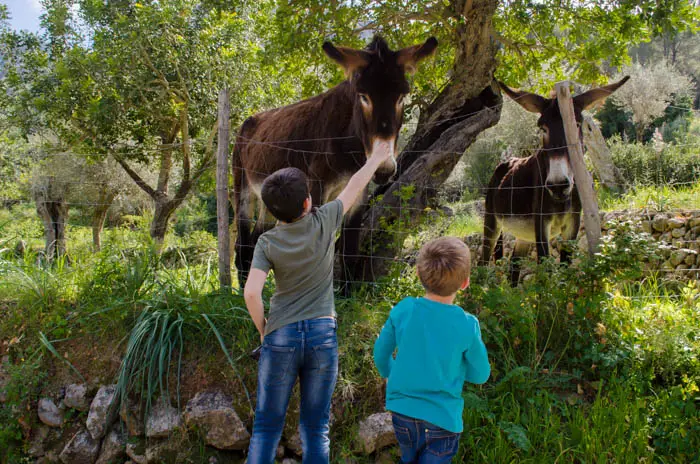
column 439, row 348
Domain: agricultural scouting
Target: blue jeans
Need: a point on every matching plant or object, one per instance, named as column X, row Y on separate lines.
column 308, row 350
column 422, row 442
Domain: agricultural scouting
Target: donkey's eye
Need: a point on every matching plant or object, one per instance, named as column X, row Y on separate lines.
column 364, row 99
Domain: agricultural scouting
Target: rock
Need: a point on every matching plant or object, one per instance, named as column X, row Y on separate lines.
column 385, row 457
column 113, row 447
column 160, row 451
column 82, row 449
column 666, row 237
column 280, row 452
column 213, row 414
column 77, row 397
column 678, row 233
column 102, row 412
column 676, row 223
column 49, row 413
column 162, row 420
column 294, row 444
column 376, row 432
column 137, row 452
column 677, row 257
column 693, row 222
column 447, row 211
column 660, row 223
column 691, row 258
column 647, row 227
column 131, row 414
column 37, row 445
column 213, row 460
column 50, row 458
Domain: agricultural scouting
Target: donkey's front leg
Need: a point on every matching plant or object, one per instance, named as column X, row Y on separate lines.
column 569, row 236
column 349, row 250
column 542, row 235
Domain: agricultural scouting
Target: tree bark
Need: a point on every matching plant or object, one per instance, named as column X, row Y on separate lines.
column 164, row 205
column 599, row 154
column 164, row 209
column 52, row 208
column 468, row 105
column 99, row 214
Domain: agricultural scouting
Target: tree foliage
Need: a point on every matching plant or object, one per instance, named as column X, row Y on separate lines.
column 649, row 92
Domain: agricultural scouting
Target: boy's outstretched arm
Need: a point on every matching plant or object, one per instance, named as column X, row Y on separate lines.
column 361, row 178
column 252, row 293
column 478, row 367
column 384, row 349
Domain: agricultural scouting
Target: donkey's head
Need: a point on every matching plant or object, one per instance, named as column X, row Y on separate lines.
column 378, row 79
column 559, row 180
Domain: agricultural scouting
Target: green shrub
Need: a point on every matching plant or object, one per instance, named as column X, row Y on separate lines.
column 25, row 379
column 645, row 165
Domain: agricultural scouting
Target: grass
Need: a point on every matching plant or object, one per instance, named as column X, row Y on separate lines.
column 591, row 363
column 657, row 198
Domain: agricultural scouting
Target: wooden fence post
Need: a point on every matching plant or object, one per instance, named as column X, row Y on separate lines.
column 222, row 199
column 582, row 178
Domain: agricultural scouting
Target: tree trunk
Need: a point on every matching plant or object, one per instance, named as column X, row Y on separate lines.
column 163, row 203
column 599, row 154
column 164, row 209
column 99, row 215
column 468, row 105
column 51, row 206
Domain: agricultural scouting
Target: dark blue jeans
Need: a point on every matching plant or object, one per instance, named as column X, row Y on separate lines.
column 422, row 442
column 307, row 350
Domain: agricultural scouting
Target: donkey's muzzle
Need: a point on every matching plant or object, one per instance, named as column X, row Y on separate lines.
column 559, row 191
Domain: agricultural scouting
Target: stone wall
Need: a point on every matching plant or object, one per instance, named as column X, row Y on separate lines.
column 89, row 425
column 678, row 236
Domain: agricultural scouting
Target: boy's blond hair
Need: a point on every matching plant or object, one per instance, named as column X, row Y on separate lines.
column 443, row 265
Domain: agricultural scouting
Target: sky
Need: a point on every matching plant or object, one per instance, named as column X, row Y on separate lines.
column 24, row 13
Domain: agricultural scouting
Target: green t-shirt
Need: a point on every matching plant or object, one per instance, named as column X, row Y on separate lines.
column 301, row 256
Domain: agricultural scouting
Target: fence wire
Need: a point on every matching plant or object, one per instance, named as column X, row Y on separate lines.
column 436, row 222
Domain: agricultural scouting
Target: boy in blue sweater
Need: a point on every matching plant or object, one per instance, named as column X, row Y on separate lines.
column 439, row 347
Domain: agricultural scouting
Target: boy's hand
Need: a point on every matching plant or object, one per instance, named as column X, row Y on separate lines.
column 382, row 151
column 262, row 332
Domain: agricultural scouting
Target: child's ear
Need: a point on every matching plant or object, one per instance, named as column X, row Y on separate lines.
column 465, row 284
column 308, row 203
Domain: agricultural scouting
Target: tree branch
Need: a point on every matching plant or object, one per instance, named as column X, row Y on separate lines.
column 134, row 175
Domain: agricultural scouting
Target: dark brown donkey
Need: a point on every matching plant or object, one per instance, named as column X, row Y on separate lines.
column 329, row 137
column 535, row 198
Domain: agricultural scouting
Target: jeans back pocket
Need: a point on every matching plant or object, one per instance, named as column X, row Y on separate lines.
column 441, row 442
column 274, row 363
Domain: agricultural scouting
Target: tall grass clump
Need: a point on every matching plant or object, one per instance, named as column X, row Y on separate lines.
column 176, row 317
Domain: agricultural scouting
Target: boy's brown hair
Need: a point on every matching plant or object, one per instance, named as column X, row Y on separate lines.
column 284, row 192
column 443, row 265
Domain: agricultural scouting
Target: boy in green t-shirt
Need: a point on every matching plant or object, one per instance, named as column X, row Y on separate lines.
column 299, row 335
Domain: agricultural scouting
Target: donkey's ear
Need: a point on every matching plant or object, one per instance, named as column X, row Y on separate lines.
column 588, row 99
column 349, row 59
column 409, row 57
column 530, row 101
